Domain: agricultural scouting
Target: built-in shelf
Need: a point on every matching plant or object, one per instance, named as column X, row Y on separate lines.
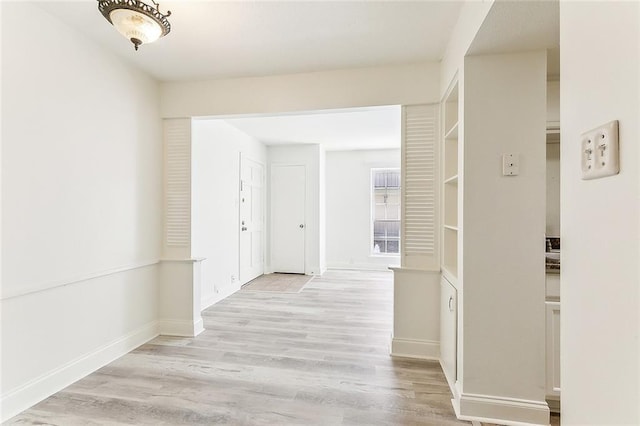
column 453, row 180
column 451, row 288
column 452, row 133
column 452, row 278
column 450, row 258
column 450, row 175
column 553, row 134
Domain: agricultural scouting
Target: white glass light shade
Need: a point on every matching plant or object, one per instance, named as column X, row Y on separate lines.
column 134, row 25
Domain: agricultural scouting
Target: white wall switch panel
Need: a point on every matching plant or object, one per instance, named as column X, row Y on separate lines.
column 600, row 156
column 510, row 164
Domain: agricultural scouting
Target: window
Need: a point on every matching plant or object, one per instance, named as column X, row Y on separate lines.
column 385, row 211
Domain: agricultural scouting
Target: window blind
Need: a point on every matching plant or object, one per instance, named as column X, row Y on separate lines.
column 420, row 132
column 177, row 135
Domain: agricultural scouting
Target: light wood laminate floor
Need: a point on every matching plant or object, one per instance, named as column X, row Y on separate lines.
column 319, row 357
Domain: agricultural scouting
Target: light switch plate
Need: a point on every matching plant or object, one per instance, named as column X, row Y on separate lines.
column 510, row 164
column 600, row 155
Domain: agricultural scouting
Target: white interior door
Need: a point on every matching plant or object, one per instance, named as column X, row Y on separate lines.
column 251, row 219
column 287, row 218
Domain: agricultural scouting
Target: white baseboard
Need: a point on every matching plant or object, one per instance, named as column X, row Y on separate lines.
column 500, row 410
column 198, row 327
column 359, row 267
column 554, row 404
column 208, row 301
column 180, row 328
column 451, row 381
column 420, row 349
column 17, row 400
column 222, row 293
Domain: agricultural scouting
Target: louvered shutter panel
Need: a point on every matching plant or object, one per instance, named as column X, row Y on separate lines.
column 177, row 138
column 419, row 186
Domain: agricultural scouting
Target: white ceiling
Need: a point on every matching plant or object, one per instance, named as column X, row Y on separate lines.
column 348, row 129
column 219, row 39
column 516, row 26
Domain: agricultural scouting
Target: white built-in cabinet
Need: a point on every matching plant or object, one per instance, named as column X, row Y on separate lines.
column 449, row 288
column 448, row 330
column 416, row 329
column 553, row 348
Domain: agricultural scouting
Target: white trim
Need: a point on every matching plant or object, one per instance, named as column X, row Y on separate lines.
column 188, row 260
column 219, row 295
column 209, row 301
column 501, row 410
column 405, row 269
column 61, row 283
column 19, row 399
column 554, row 404
column 411, row 348
column 450, row 380
column 180, row 328
column 359, row 267
column 313, row 270
column 198, row 327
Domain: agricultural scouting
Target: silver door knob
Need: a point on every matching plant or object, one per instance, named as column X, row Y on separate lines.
column 301, row 226
column 244, row 228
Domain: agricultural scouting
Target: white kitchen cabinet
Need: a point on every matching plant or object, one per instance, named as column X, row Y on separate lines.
column 553, row 348
column 448, row 330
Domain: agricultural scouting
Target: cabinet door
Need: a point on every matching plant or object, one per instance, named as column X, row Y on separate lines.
column 448, row 330
column 553, row 348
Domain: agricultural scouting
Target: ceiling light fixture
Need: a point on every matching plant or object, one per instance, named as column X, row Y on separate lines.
column 136, row 20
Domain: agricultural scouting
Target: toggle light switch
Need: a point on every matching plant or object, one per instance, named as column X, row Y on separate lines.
column 600, row 154
column 510, row 164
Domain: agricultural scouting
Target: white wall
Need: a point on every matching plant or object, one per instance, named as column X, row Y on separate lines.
column 216, row 148
column 81, row 187
column 309, row 156
column 600, row 218
column 349, row 207
column 385, row 85
column 472, row 15
column 504, row 224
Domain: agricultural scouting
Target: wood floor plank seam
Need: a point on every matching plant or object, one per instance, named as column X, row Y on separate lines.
column 317, row 357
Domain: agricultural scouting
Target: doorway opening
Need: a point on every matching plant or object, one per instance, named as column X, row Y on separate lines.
column 288, row 193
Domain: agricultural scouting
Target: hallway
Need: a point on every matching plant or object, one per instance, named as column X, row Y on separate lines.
column 320, row 356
